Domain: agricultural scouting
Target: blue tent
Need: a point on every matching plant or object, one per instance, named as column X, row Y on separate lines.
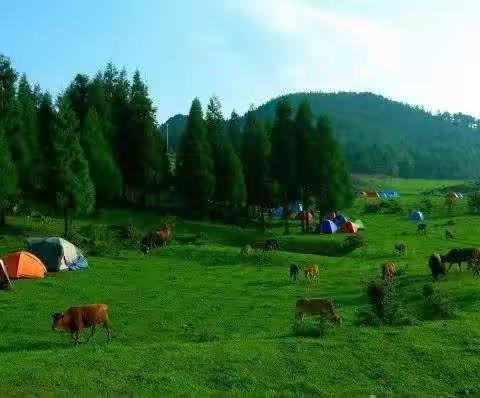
column 416, row 215
column 340, row 220
column 296, row 207
column 327, row 227
column 278, row 211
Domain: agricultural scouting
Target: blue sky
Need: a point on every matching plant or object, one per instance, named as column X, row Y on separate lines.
column 246, row 51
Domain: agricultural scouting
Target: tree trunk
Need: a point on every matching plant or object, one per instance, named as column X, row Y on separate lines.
column 66, row 224
column 3, row 217
column 286, row 228
column 307, row 220
column 262, row 219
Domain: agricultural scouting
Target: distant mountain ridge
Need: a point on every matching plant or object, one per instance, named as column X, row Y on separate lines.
column 382, row 136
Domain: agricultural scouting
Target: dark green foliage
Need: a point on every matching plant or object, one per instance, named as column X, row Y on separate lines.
column 78, row 96
column 103, row 170
column 195, row 168
column 352, row 242
column 46, row 124
column 99, row 241
column 8, row 177
column 435, row 304
column 474, row 202
column 426, row 205
column 74, row 190
column 255, row 157
column 385, row 207
column 234, row 131
column 127, row 234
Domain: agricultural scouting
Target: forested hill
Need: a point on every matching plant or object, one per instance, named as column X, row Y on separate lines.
column 381, row 136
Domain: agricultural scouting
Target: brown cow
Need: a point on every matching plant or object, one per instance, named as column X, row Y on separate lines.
column 156, row 238
column 311, row 272
column 316, row 307
column 389, row 271
column 76, row 319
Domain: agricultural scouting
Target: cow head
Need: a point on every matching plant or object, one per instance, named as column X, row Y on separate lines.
column 57, row 318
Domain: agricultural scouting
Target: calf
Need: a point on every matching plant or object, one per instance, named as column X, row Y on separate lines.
column 437, row 267
column 389, row 271
column 311, row 272
column 422, row 229
column 316, row 307
column 400, row 248
column 76, row 319
column 294, row 271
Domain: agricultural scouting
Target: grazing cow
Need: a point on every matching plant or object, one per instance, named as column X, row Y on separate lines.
column 316, row 307
column 448, row 234
column 155, row 239
column 294, row 271
column 270, row 245
column 459, row 256
column 389, row 271
column 76, row 319
column 400, row 248
column 437, row 267
column 422, row 229
column 311, row 272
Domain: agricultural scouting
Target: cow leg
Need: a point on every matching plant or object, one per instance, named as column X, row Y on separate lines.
column 91, row 334
column 106, row 326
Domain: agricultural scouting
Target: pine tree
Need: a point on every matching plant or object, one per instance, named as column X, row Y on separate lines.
column 283, row 158
column 215, row 124
column 8, row 177
column 230, row 180
column 195, row 174
column 234, row 131
column 255, row 157
column 306, row 159
column 104, row 172
column 26, row 149
column 333, row 186
column 74, row 190
column 46, row 124
column 78, row 95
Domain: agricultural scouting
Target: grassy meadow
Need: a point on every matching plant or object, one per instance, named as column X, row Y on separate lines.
column 204, row 320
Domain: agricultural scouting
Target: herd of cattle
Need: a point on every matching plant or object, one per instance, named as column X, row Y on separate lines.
column 79, row 318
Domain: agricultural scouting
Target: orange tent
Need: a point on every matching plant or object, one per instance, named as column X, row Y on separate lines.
column 350, row 227
column 24, row 265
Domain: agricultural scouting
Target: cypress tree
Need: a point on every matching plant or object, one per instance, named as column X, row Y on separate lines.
column 307, row 161
column 255, row 156
column 74, row 190
column 195, row 173
column 230, row 180
column 104, row 172
column 333, row 186
column 215, row 124
column 78, row 95
column 283, row 159
column 234, row 131
column 8, row 177
column 46, row 124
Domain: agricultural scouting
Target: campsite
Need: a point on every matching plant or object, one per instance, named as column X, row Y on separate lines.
column 185, row 314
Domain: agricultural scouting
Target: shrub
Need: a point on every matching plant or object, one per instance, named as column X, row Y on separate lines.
column 126, row 234
column 352, row 242
column 426, row 205
column 474, row 202
column 391, row 207
column 100, row 240
column 206, row 335
column 372, row 208
column 436, row 305
column 385, row 305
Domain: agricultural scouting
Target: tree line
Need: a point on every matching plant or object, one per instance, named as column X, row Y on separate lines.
column 98, row 143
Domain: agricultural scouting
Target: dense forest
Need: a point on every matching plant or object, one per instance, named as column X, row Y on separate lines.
column 98, row 143
column 380, row 136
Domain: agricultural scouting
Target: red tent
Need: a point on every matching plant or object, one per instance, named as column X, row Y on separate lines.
column 350, row 227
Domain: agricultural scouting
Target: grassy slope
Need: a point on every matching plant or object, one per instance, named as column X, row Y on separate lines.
column 161, row 305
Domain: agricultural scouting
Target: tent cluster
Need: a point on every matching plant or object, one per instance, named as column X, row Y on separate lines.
column 388, row 194
column 454, row 195
column 43, row 255
column 295, row 208
column 339, row 223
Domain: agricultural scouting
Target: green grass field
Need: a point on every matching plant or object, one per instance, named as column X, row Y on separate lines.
column 204, row 320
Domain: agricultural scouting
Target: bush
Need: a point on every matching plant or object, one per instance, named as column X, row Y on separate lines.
column 386, row 306
column 372, row 208
column 206, row 335
column 100, row 240
column 126, row 234
column 435, row 305
column 352, row 242
column 391, row 207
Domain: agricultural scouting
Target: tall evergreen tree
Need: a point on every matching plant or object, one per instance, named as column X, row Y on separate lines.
column 230, row 179
column 78, row 95
column 26, row 149
column 306, row 159
column 234, row 131
column 195, row 173
column 333, row 186
column 74, row 190
column 104, row 172
column 283, row 158
column 255, row 156
column 46, row 124
column 8, row 177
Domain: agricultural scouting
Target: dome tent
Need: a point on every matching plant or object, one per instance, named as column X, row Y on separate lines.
column 416, row 215
column 57, row 254
column 24, row 265
column 327, row 227
column 349, row 228
column 340, row 219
